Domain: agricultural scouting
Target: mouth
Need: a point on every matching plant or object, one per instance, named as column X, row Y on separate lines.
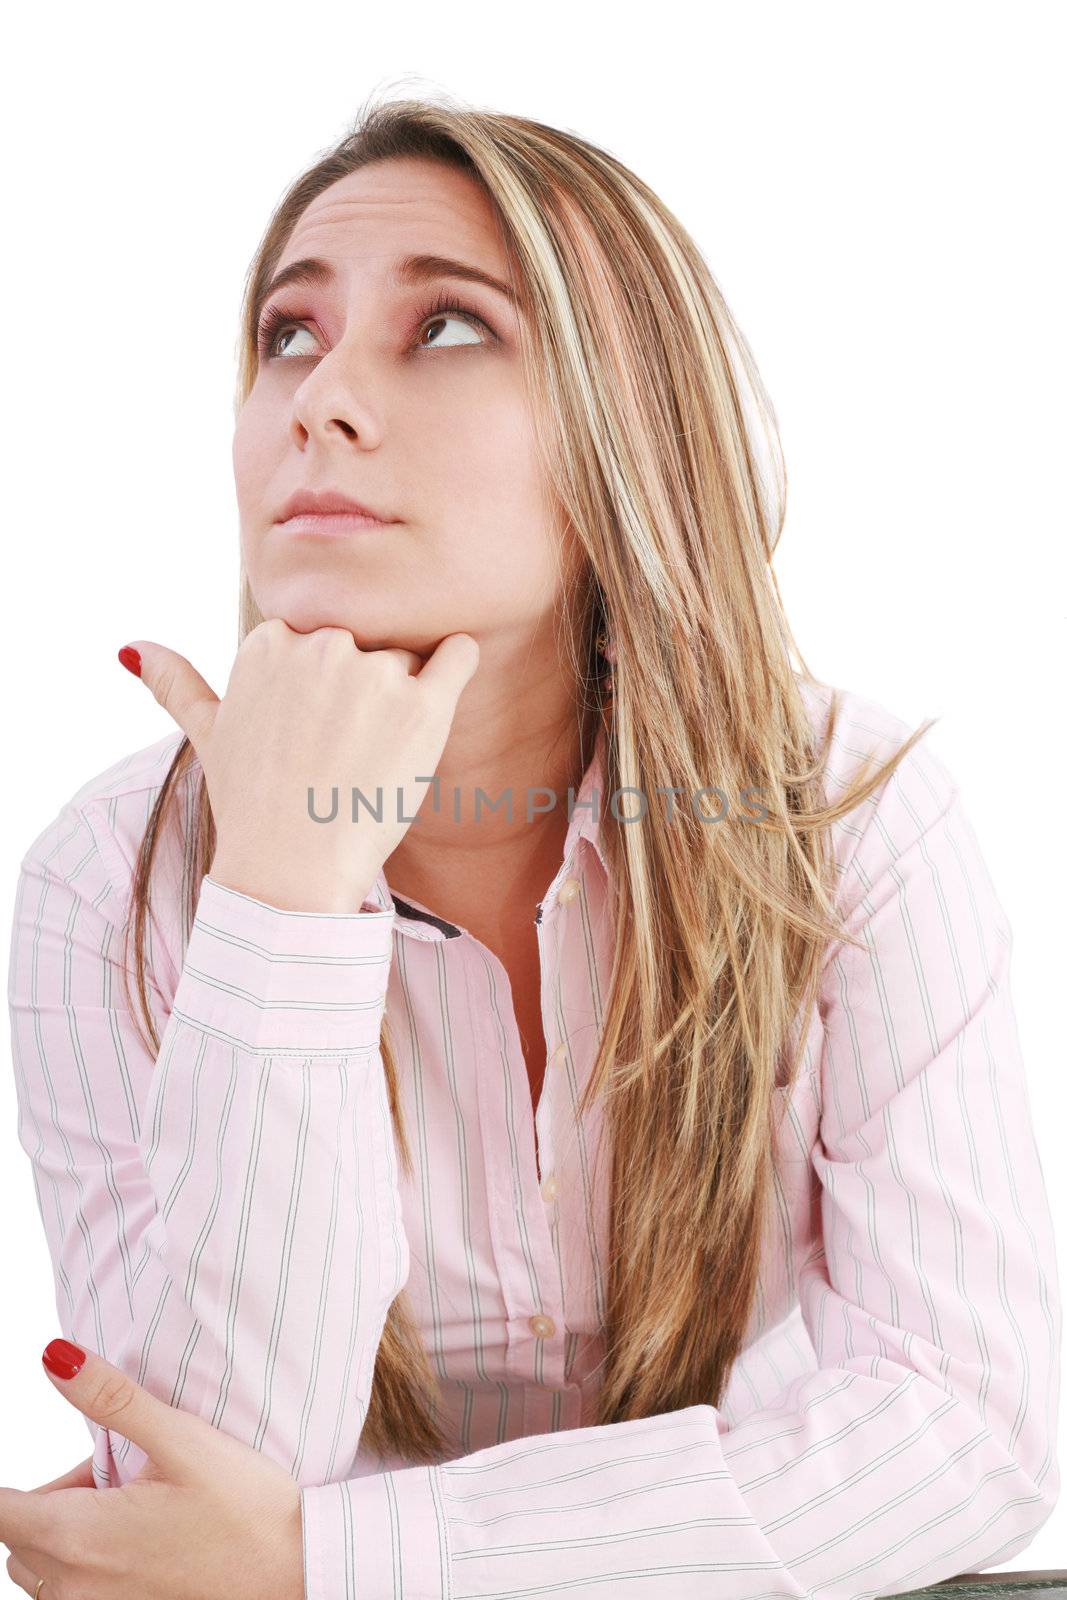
column 309, row 502
column 331, row 523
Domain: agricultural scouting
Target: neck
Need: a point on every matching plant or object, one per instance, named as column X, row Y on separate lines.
column 492, row 868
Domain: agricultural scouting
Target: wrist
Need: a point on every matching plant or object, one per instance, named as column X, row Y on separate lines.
column 288, row 892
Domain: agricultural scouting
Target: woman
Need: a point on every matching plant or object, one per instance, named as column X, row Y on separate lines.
column 596, row 1190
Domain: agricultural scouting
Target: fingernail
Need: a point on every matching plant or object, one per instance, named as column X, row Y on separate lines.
column 63, row 1358
column 131, row 659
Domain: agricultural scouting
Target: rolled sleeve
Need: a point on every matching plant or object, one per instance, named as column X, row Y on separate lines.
column 381, row 1535
column 296, row 983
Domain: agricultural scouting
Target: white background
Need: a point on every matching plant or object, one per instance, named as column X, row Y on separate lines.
column 878, row 191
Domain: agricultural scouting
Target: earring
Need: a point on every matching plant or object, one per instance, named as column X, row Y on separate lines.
column 605, row 648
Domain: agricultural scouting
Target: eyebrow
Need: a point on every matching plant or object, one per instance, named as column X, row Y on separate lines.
column 408, row 270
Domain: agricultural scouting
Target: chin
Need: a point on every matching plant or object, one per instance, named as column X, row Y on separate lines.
column 307, row 606
column 304, row 614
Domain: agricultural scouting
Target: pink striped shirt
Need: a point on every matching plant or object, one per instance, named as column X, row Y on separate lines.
column 227, row 1220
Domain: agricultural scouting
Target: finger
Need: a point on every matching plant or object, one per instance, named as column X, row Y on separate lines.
column 20, row 1573
column 409, row 659
column 452, row 665
column 79, row 1477
column 32, row 1564
column 178, row 687
column 182, row 1445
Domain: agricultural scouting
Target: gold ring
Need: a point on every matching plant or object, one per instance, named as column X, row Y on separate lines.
column 37, row 1591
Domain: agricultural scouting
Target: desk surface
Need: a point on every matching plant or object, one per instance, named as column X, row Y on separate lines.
column 1051, row 1585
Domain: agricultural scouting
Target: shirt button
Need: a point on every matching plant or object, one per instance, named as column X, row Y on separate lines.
column 568, row 889
column 543, row 1327
column 548, row 1188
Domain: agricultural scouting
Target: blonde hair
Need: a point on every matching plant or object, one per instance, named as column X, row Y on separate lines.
column 662, row 449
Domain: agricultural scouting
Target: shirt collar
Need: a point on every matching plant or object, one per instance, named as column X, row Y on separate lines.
column 589, row 802
column 418, row 922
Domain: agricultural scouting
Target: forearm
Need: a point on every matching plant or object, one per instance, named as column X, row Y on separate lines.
column 221, row 1214
column 278, row 1244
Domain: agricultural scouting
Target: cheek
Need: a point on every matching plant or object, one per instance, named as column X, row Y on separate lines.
column 478, row 483
column 495, row 542
column 255, row 452
column 483, row 458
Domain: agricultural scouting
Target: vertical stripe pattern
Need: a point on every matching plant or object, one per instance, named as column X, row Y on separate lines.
column 227, row 1219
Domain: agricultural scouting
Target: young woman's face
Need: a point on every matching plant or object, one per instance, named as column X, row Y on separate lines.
column 419, row 415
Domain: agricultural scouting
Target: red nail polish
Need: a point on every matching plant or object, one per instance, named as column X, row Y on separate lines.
column 131, row 659
column 63, row 1358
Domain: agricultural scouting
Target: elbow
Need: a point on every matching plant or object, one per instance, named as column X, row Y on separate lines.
column 1031, row 1495
column 1036, row 1455
column 1022, row 1415
column 1047, row 1487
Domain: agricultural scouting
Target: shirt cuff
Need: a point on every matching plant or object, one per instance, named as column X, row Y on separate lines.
column 294, row 983
column 380, row 1537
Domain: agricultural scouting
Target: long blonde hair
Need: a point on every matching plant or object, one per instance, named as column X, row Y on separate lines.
column 662, row 448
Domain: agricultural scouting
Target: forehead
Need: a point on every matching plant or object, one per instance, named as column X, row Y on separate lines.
column 390, row 208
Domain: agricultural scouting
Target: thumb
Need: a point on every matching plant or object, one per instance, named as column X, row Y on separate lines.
column 178, row 687
column 176, row 1441
column 454, row 661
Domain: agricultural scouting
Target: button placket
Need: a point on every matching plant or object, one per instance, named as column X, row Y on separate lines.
column 523, row 1247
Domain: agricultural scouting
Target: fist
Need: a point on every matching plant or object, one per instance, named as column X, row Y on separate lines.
column 313, row 712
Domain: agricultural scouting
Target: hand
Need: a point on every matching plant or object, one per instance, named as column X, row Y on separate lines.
column 206, row 1516
column 313, row 711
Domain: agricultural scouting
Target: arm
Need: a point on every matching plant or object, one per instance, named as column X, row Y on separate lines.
column 924, row 1443
column 223, row 1219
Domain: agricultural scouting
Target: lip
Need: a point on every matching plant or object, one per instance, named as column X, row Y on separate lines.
column 325, row 509
column 331, row 523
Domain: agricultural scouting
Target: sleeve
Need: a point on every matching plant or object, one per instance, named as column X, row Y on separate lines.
column 223, row 1217
column 923, row 1443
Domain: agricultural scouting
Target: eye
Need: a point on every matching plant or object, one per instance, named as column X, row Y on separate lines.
column 446, row 310
column 275, row 321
